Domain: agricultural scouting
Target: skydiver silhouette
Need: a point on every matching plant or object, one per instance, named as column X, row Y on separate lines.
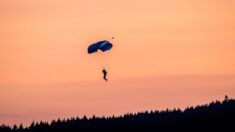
column 105, row 74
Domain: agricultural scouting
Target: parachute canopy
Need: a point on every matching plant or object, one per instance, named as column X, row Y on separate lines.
column 101, row 45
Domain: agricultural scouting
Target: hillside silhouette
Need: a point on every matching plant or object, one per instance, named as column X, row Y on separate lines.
column 217, row 116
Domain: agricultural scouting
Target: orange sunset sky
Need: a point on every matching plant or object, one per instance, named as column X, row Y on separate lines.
column 166, row 54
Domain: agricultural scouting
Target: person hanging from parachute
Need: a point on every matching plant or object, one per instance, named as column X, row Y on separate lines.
column 105, row 75
column 103, row 46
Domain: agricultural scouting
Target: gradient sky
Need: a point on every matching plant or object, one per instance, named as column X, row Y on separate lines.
column 166, row 54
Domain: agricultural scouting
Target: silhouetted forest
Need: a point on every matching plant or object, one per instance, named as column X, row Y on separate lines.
column 216, row 116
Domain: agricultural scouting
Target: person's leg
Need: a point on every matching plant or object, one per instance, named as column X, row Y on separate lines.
column 105, row 77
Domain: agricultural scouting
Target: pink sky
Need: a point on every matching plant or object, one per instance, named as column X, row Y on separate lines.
column 171, row 53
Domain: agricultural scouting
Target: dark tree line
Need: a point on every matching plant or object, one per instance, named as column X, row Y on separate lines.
column 217, row 116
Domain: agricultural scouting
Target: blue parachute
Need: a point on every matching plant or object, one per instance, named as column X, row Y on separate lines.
column 101, row 45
